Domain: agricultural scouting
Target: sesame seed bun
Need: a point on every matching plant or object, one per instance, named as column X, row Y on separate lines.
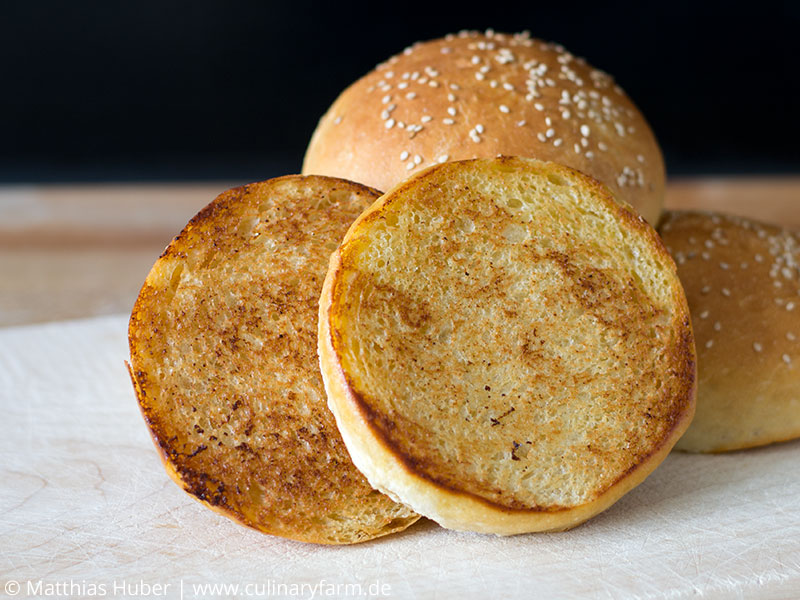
column 742, row 282
column 505, row 348
column 476, row 95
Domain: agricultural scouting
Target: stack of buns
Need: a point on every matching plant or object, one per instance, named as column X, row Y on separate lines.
column 500, row 342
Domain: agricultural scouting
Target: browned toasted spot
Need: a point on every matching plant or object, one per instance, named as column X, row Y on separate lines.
column 509, row 333
column 223, row 359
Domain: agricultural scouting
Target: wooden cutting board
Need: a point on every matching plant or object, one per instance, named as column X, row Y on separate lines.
column 76, row 251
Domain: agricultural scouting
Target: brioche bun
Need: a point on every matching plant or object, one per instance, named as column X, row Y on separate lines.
column 476, row 95
column 505, row 348
column 224, row 364
column 742, row 281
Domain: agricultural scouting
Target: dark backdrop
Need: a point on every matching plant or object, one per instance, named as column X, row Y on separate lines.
column 155, row 90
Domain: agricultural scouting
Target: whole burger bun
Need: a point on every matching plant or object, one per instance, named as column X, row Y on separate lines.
column 478, row 95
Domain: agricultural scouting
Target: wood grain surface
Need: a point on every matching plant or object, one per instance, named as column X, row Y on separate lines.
column 79, row 251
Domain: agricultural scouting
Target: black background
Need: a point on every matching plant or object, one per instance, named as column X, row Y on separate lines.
column 104, row 91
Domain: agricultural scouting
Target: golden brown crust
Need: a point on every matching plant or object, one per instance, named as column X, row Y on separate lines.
column 742, row 283
column 223, row 361
column 403, row 449
column 531, row 99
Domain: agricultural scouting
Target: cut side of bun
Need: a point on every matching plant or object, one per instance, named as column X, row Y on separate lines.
column 742, row 282
column 505, row 348
column 224, row 364
column 479, row 95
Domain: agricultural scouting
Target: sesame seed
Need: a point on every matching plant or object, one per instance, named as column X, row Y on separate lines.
column 550, row 132
column 337, row 120
column 417, row 159
column 790, row 336
column 706, row 289
column 504, row 108
column 538, row 107
column 705, row 256
column 704, row 314
column 409, row 166
column 451, row 97
column 476, row 60
column 433, row 84
column 602, row 146
column 787, row 359
column 411, row 95
column 757, row 347
column 448, row 121
column 548, row 121
column 455, row 86
column 724, row 266
column 443, row 158
column 640, row 158
column 541, row 137
column 521, row 123
column 479, row 128
column 404, row 155
column 389, row 124
column 589, row 155
column 726, row 292
column 577, row 148
column 709, row 343
column 717, row 326
column 386, row 99
column 426, row 118
column 402, row 85
column 557, row 142
column 508, row 86
column 451, row 111
column 790, row 306
column 585, row 130
column 758, row 258
column 479, row 76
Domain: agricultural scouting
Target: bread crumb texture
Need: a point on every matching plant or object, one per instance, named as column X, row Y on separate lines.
column 742, row 281
column 223, row 358
column 513, row 334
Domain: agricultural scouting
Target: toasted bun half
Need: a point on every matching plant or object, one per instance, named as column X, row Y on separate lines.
column 223, row 360
column 505, row 348
column 476, row 95
column 742, row 282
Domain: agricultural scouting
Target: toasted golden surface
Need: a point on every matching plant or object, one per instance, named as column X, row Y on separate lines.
column 477, row 95
column 223, row 359
column 504, row 347
column 742, row 282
